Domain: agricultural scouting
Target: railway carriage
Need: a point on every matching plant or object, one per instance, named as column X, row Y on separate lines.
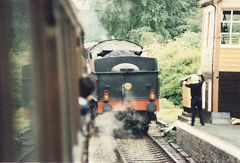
column 57, row 64
column 127, row 83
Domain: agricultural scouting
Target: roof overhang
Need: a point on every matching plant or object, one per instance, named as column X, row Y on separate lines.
column 204, row 3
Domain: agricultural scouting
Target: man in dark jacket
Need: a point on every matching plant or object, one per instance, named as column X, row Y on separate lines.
column 196, row 93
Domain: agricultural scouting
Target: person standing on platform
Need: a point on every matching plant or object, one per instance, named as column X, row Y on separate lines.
column 196, row 93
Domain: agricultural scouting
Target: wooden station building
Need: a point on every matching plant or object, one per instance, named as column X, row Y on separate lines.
column 220, row 60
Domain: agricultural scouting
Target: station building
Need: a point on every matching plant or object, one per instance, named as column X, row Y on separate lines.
column 220, row 59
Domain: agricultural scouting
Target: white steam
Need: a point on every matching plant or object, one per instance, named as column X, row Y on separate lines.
column 94, row 30
column 106, row 124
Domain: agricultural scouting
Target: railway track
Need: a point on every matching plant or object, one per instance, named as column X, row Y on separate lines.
column 150, row 149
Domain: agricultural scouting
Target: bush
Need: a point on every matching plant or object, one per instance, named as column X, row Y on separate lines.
column 172, row 136
column 144, row 36
column 176, row 60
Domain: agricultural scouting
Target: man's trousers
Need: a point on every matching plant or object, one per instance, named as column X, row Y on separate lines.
column 196, row 104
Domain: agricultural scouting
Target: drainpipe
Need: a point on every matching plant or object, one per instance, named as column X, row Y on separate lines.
column 214, row 37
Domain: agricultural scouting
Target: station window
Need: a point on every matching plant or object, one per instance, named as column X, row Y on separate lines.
column 230, row 28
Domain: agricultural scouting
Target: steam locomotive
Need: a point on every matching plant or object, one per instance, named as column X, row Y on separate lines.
column 127, row 83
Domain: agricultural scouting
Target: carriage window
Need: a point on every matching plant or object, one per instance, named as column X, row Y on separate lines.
column 230, row 28
column 22, row 90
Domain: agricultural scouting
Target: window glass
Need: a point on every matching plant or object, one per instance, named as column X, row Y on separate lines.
column 226, row 16
column 21, row 60
column 225, row 39
column 225, row 27
column 236, row 28
column 235, row 39
column 236, row 15
column 230, row 28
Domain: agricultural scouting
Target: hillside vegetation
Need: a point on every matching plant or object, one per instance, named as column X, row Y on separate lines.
column 176, row 59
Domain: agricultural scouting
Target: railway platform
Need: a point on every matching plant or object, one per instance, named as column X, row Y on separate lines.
column 209, row 143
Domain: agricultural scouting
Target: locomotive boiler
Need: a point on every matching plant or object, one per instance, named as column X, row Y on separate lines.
column 127, row 83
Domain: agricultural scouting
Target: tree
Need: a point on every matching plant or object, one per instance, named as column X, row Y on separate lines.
column 164, row 17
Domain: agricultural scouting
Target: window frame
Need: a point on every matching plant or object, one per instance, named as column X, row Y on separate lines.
column 231, row 21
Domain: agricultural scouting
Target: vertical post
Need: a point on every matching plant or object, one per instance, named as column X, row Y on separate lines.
column 216, row 59
column 6, row 103
column 62, row 58
column 50, row 147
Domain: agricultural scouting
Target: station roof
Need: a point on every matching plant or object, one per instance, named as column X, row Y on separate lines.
column 204, row 3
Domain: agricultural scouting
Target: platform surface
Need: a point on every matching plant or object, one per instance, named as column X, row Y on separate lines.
column 228, row 133
column 225, row 137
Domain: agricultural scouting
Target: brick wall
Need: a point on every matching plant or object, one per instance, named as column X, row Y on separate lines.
column 201, row 150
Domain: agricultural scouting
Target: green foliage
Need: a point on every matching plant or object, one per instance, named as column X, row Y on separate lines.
column 194, row 22
column 172, row 136
column 136, row 34
column 20, row 26
column 176, row 60
column 20, row 47
column 130, row 19
column 16, row 80
column 144, row 36
column 17, row 61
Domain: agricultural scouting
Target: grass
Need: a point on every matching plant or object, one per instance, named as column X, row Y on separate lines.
column 168, row 112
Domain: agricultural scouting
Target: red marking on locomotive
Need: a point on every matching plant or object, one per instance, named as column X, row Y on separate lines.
column 138, row 105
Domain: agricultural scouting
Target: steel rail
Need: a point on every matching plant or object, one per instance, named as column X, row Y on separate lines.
column 165, row 150
column 120, row 155
column 162, row 156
